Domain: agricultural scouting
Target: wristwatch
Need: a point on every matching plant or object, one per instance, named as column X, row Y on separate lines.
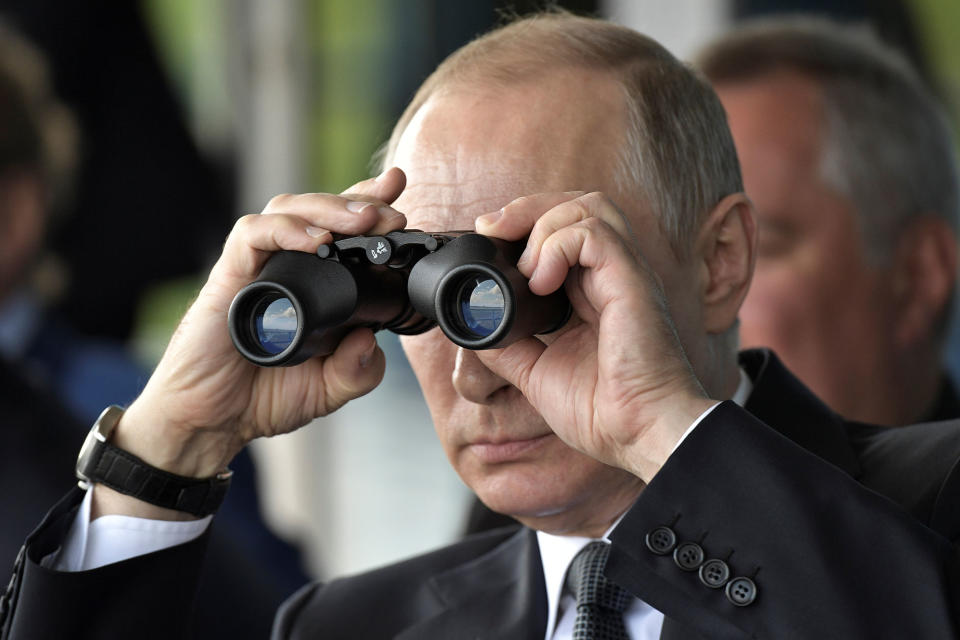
column 101, row 462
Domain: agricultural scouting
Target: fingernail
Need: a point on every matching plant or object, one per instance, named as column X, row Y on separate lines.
column 388, row 213
column 367, row 355
column 490, row 218
column 533, row 276
column 524, row 257
column 316, row 232
column 356, row 207
column 385, row 172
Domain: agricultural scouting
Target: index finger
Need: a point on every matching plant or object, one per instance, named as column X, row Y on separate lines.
column 516, row 220
column 384, row 189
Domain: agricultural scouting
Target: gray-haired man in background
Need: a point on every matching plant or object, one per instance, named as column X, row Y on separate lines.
column 849, row 161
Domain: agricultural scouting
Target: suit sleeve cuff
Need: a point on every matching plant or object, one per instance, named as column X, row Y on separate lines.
column 694, row 426
column 114, row 538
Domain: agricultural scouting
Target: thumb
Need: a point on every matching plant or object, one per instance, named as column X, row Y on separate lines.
column 516, row 364
column 353, row 370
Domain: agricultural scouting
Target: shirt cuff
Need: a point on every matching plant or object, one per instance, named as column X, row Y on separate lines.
column 694, row 426
column 114, row 538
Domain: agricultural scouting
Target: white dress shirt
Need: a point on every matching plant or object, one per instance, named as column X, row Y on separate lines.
column 115, row 538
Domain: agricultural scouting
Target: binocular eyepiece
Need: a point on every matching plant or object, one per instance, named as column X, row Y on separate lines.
column 302, row 305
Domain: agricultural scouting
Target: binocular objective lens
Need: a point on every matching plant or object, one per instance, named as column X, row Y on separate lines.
column 276, row 325
column 481, row 306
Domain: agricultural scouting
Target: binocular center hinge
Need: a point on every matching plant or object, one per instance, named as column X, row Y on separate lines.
column 395, row 249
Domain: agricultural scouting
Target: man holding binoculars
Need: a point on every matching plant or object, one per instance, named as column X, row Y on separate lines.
column 725, row 522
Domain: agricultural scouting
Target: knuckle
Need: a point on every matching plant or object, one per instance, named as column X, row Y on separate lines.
column 600, row 205
column 591, row 205
column 594, row 199
column 357, row 196
column 516, row 205
column 354, row 225
column 277, row 202
column 519, row 202
column 594, row 225
column 245, row 223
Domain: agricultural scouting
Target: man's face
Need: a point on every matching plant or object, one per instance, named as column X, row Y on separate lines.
column 815, row 298
column 469, row 152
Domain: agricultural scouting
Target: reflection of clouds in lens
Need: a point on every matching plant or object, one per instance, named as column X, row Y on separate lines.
column 280, row 315
column 486, row 294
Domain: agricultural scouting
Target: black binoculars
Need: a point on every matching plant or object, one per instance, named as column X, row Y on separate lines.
column 409, row 281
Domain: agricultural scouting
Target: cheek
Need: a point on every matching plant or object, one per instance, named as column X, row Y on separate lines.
column 432, row 358
column 780, row 307
column 803, row 304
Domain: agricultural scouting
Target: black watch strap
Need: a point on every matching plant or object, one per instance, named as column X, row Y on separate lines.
column 101, row 462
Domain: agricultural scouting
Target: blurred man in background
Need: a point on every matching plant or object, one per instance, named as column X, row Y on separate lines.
column 849, row 161
column 51, row 374
column 37, row 138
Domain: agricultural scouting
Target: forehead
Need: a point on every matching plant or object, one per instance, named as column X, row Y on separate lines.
column 777, row 123
column 472, row 149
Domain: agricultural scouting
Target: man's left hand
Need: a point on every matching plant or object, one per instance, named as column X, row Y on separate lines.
column 616, row 383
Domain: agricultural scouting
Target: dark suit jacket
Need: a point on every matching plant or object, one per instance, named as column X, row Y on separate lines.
column 796, row 506
column 39, row 441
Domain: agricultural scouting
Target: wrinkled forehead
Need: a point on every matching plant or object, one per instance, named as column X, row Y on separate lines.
column 471, row 150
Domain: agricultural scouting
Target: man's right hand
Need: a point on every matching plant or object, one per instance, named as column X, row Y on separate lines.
column 204, row 401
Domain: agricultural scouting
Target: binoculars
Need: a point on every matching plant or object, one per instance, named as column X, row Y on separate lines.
column 408, row 282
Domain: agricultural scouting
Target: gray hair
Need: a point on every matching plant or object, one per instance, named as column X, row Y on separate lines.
column 678, row 154
column 887, row 143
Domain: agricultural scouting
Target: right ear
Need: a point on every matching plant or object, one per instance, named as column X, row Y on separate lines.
column 924, row 277
column 727, row 250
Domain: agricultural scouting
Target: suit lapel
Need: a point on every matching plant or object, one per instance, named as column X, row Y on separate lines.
column 787, row 406
column 500, row 595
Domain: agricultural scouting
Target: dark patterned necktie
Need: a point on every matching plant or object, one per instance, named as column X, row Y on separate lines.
column 600, row 603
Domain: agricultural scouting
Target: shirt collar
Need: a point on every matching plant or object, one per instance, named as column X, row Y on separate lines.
column 557, row 552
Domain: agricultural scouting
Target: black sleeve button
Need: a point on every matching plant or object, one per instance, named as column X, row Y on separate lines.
column 688, row 556
column 741, row 591
column 661, row 540
column 714, row 573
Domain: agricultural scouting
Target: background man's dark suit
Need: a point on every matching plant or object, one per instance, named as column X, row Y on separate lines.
column 827, row 555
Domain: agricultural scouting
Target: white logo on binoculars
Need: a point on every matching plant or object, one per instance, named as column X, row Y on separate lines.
column 379, row 251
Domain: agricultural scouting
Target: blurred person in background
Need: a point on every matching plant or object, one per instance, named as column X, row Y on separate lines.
column 52, row 376
column 135, row 139
column 724, row 520
column 849, row 161
column 38, row 156
column 36, row 144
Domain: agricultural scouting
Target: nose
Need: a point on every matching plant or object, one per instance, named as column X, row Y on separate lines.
column 472, row 380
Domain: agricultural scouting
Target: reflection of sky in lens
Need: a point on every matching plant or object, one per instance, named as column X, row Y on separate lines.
column 486, row 294
column 277, row 325
column 280, row 314
column 483, row 312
